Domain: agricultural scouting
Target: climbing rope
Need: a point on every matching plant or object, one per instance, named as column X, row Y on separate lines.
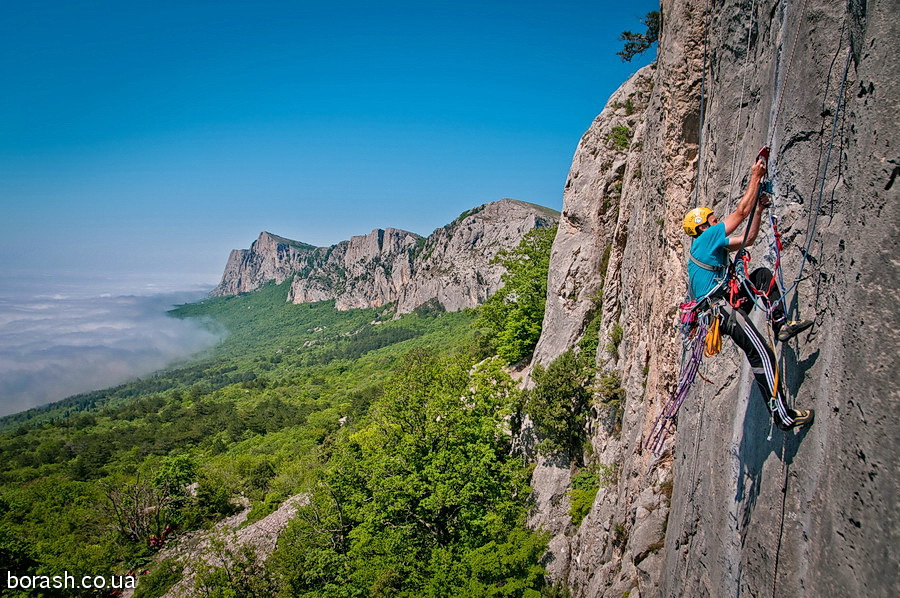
column 781, row 87
column 784, row 486
column 814, row 214
column 666, row 419
column 706, row 19
column 739, row 120
column 776, row 233
column 812, row 222
column 741, row 253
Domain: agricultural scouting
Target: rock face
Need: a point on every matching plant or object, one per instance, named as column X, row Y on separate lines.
column 270, row 257
column 198, row 549
column 454, row 266
column 366, row 271
column 451, row 268
column 724, row 511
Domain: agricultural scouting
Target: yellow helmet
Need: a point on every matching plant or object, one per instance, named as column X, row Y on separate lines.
column 695, row 218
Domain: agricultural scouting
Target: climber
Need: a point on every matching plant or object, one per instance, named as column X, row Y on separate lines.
column 708, row 270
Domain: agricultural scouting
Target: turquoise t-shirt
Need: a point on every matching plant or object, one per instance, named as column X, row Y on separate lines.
column 711, row 248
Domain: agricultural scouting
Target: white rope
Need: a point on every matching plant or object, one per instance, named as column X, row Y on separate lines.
column 706, row 19
column 780, row 82
column 737, row 128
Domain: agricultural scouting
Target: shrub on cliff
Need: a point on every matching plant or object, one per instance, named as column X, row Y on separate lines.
column 559, row 404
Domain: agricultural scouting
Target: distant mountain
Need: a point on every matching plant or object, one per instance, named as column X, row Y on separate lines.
column 451, row 268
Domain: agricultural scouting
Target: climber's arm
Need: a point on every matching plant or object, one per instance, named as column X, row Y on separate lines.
column 734, row 243
column 745, row 205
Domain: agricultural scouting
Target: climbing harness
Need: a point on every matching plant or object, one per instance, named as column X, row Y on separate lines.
column 704, row 265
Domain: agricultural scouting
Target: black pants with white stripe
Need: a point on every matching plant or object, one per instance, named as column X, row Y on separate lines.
column 761, row 278
column 738, row 326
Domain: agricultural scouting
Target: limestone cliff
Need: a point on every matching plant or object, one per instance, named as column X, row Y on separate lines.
column 454, row 266
column 366, row 271
column 451, row 268
column 270, row 257
column 724, row 511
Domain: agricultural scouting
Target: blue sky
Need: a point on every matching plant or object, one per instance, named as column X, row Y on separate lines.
column 153, row 137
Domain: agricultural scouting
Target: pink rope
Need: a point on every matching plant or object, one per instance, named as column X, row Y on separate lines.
column 666, row 419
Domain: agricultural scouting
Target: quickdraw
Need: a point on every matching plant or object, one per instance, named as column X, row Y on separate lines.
column 734, row 290
column 773, row 220
column 713, row 337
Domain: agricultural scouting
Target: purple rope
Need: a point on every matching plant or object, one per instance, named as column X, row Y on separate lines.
column 666, row 418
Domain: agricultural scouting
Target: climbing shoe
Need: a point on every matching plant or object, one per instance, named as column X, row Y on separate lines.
column 792, row 329
column 803, row 418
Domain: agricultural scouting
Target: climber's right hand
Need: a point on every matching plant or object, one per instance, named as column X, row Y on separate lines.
column 759, row 169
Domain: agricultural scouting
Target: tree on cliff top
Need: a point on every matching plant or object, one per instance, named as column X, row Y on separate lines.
column 638, row 43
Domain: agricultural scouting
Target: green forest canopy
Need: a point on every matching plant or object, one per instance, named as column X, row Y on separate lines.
column 401, row 441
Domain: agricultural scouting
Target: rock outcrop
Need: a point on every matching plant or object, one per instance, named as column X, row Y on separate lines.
column 269, row 258
column 366, row 271
column 725, row 511
column 454, row 266
column 450, row 269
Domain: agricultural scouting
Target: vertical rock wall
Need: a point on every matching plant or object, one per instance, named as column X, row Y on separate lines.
column 269, row 258
column 724, row 511
column 455, row 266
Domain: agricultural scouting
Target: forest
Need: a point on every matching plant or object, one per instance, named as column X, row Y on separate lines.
column 399, row 431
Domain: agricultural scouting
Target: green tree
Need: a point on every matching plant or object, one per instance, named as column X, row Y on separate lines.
column 558, row 404
column 638, row 43
column 512, row 317
column 16, row 553
column 413, row 503
column 174, row 473
column 142, row 506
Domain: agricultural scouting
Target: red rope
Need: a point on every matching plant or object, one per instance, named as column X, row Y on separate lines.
column 777, row 268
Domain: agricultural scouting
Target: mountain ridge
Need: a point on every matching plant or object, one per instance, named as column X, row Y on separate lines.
column 451, row 267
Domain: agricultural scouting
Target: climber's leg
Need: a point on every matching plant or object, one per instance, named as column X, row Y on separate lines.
column 761, row 278
column 762, row 363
